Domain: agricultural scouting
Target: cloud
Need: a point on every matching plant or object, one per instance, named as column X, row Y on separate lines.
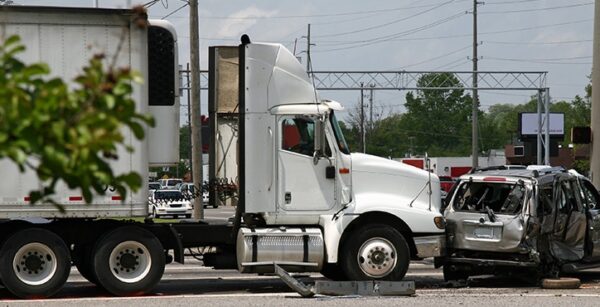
column 236, row 24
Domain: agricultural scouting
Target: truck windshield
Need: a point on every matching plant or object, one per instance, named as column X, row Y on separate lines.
column 339, row 136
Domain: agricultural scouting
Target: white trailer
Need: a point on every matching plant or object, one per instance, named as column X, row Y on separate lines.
column 305, row 202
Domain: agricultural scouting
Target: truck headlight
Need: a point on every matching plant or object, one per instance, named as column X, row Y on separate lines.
column 439, row 222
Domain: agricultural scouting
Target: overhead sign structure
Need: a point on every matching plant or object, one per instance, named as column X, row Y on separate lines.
column 529, row 125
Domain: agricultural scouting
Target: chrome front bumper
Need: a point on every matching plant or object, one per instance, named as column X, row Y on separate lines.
column 431, row 246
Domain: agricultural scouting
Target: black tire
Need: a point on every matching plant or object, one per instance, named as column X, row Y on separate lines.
column 354, row 265
column 130, row 241
column 215, row 206
column 188, row 216
column 333, row 271
column 53, row 259
column 82, row 259
column 454, row 273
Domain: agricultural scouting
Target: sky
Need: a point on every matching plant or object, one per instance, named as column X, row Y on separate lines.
column 516, row 35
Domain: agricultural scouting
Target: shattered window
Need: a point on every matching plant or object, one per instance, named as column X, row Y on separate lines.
column 503, row 198
column 545, row 200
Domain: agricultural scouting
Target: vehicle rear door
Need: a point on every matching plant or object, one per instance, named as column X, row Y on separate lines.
column 487, row 215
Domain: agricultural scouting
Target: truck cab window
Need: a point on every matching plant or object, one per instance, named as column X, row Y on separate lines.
column 339, row 136
column 298, row 135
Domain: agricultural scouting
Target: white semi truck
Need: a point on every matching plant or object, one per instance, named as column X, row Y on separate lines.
column 305, row 203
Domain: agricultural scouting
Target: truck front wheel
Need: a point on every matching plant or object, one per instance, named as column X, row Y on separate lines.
column 128, row 261
column 34, row 262
column 376, row 252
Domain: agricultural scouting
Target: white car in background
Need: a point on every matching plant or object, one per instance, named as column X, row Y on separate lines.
column 169, row 183
column 169, row 203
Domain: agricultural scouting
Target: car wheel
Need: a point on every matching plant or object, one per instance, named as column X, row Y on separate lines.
column 188, row 216
column 34, row 262
column 128, row 261
column 375, row 252
column 215, row 206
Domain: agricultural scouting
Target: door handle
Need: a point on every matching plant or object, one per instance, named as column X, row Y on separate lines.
column 288, row 197
column 330, row 172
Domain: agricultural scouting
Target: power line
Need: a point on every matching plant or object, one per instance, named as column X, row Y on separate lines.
column 399, row 34
column 347, row 42
column 439, row 56
column 175, row 11
column 326, row 15
column 510, row 2
column 538, row 43
column 462, row 60
column 387, row 23
column 539, row 9
column 544, row 61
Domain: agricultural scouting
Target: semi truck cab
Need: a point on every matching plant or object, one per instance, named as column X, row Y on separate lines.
column 357, row 215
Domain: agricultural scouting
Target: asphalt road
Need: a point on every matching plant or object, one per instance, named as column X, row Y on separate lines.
column 193, row 284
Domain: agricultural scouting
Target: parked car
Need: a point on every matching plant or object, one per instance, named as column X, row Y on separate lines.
column 541, row 221
column 169, row 203
column 188, row 190
column 169, row 183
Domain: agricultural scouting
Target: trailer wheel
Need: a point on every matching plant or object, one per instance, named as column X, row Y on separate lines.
column 34, row 262
column 128, row 261
column 82, row 259
column 376, row 252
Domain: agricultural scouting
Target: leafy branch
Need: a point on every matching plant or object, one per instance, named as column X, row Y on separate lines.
column 63, row 134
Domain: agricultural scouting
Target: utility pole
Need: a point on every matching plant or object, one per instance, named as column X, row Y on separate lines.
column 189, row 121
column 474, row 115
column 195, row 103
column 308, row 64
column 595, row 124
column 362, row 119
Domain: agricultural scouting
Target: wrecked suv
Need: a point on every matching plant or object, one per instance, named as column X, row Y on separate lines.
column 538, row 222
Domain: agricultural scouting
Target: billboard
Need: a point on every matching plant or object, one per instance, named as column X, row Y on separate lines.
column 528, row 124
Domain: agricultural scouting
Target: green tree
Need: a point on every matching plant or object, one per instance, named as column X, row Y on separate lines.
column 439, row 119
column 67, row 135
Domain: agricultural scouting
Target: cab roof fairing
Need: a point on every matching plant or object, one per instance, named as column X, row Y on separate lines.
column 285, row 78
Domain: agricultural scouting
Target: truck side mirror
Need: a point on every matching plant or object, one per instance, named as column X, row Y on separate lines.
column 320, row 141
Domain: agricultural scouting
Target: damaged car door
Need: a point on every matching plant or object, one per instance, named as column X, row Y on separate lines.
column 567, row 240
column 592, row 202
column 487, row 215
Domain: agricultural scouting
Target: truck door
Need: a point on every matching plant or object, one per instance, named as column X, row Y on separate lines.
column 568, row 238
column 592, row 199
column 303, row 184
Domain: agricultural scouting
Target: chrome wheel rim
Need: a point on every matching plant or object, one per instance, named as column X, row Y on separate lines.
column 130, row 261
column 35, row 264
column 377, row 257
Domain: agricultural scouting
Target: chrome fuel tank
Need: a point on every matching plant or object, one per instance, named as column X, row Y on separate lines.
column 295, row 249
